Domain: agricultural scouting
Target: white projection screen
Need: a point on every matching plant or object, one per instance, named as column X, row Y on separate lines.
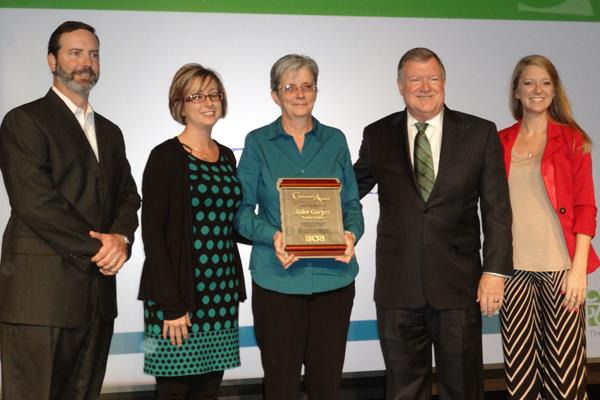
column 357, row 56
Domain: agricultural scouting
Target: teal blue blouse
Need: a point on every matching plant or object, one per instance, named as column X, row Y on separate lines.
column 270, row 153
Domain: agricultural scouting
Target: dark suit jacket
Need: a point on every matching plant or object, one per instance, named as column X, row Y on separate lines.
column 58, row 192
column 428, row 252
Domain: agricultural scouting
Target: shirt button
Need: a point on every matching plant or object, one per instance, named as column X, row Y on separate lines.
column 562, row 210
column 302, row 171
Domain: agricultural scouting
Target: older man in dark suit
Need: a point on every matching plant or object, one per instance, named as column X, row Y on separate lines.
column 433, row 166
column 73, row 215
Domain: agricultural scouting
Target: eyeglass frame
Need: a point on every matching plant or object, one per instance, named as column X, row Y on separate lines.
column 200, row 98
column 291, row 88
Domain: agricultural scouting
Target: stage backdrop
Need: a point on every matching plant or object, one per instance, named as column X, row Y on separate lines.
column 357, row 46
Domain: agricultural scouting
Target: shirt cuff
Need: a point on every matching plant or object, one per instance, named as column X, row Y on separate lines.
column 125, row 239
column 497, row 274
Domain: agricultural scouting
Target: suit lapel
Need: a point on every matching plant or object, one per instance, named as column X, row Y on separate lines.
column 399, row 136
column 449, row 150
column 104, row 154
column 103, row 139
column 553, row 142
column 66, row 126
column 67, row 122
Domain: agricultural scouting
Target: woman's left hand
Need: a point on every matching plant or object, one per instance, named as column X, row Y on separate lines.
column 574, row 287
column 284, row 258
column 349, row 253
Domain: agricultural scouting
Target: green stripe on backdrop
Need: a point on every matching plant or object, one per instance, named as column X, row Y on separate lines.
column 556, row 10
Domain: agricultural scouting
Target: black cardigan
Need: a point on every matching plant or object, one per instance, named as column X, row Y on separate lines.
column 168, row 273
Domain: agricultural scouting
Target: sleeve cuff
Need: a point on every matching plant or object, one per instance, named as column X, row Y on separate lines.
column 497, row 274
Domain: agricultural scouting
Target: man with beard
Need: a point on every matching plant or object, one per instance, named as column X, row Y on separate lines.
column 73, row 215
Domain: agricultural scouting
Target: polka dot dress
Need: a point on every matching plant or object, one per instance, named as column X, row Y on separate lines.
column 213, row 343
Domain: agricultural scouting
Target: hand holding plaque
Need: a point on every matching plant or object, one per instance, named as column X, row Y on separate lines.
column 311, row 217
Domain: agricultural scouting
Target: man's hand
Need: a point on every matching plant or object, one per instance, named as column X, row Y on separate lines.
column 113, row 253
column 490, row 293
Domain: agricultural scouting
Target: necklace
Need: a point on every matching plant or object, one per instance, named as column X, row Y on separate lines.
column 203, row 155
column 533, row 148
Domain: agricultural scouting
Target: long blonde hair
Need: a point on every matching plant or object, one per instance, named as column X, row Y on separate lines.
column 560, row 108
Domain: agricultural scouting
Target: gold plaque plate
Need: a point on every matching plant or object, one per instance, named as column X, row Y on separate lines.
column 311, row 217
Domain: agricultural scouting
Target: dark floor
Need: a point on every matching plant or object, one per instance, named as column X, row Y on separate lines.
column 364, row 386
column 593, row 391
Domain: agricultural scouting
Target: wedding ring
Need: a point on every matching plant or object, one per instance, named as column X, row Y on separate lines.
column 496, row 301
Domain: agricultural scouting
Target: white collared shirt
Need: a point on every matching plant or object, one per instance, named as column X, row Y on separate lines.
column 433, row 133
column 85, row 119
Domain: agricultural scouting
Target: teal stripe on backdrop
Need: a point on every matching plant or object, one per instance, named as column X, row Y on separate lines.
column 558, row 10
column 133, row 342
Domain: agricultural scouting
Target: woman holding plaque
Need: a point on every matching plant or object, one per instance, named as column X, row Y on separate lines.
column 192, row 281
column 549, row 167
column 301, row 306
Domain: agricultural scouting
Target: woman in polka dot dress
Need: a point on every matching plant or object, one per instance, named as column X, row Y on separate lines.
column 192, row 281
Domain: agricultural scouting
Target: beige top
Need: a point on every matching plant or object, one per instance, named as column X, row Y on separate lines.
column 538, row 241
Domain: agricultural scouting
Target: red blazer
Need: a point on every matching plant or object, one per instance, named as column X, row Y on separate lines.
column 567, row 175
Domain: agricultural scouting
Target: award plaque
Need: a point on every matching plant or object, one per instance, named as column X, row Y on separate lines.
column 311, row 217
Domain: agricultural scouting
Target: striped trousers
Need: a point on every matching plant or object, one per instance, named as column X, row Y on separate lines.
column 543, row 343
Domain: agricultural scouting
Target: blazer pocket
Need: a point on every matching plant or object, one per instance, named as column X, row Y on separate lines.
column 31, row 245
column 388, row 244
column 466, row 245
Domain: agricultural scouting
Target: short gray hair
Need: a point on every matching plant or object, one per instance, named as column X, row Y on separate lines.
column 419, row 54
column 292, row 62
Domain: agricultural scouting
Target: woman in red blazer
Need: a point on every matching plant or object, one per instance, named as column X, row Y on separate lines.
column 549, row 169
